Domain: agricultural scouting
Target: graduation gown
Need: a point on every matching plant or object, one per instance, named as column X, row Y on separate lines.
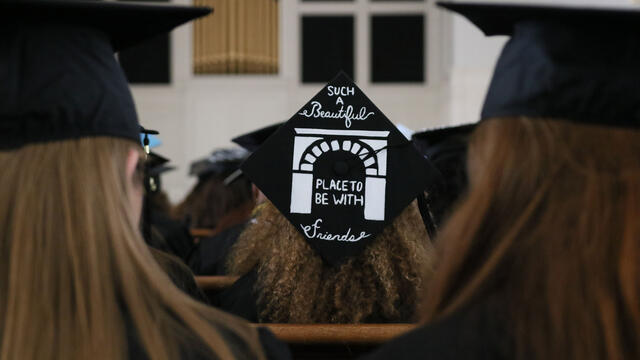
column 477, row 332
column 210, row 255
column 179, row 274
column 240, row 299
column 176, row 236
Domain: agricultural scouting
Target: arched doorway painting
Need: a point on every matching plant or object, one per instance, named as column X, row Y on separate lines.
column 369, row 146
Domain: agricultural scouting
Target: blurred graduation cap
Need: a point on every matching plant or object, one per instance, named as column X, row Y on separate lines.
column 60, row 79
column 253, row 140
column 437, row 143
column 155, row 165
column 446, row 150
column 220, row 162
column 563, row 62
column 339, row 171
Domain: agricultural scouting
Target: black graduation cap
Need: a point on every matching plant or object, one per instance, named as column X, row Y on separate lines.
column 157, row 164
column 221, row 161
column 338, row 170
column 446, row 150
column 253, row 140
column 437, row 143
column 59, row 78
column 564, row 62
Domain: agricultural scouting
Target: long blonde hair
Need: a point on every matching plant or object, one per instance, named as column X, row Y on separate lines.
column 296, row 286
column 550, row 229
column 75, row 276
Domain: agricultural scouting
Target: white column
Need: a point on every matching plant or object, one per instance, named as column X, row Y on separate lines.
column 374, row 198
column 301, row 193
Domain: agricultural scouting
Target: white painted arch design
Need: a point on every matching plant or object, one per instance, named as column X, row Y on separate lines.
column 369, row 146
column 358, row 148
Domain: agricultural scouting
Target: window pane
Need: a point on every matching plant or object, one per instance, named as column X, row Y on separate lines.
column 327, row 47
column 397, row 48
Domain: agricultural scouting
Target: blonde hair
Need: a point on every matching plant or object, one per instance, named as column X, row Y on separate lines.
column 76, row 278
column 296, row 286
column 550, row 231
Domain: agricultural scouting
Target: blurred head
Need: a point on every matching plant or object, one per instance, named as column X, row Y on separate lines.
column 75, row 276
column 550, row 228
column 211, row 200
column 297, row 286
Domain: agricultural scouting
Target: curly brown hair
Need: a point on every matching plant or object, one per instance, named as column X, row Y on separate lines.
column 296, row 286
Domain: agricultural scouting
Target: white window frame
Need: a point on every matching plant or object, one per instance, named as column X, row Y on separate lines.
column 437, row 48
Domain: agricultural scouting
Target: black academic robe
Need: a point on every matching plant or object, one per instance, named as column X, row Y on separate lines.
column 180, row 274
column 241, row 297
column 273, row 348
column 475, row 333
column 177, row 240
column 210, row 255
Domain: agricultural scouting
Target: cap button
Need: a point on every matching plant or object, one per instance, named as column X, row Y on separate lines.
column 341, row 168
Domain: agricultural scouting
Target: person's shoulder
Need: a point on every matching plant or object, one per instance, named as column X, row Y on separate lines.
column 471, row 333
column 240, row 298
column 274, row 349
column 210, row 255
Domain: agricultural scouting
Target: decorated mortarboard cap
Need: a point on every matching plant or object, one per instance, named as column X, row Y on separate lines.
column 221, row 161
column 338, row 170
column 572, row 63
column 59, row 77
column 253, row 140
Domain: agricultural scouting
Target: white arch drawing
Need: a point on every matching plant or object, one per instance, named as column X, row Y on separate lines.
column 309, row 144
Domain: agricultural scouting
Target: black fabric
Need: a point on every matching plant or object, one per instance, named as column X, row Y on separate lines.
column 446, row 150
column 273, row 348
column 59, row 78
column 475, row 333
column 500, row 18
column 576, row 64
column 219, row 162
column 240, row 298
column 126, row 24
column 210, row 254
column 192, row 349
column 157, row 164
column 339, row 171
column 61, row 82
column 253, row 140
column 177, row 239
column 180, row 275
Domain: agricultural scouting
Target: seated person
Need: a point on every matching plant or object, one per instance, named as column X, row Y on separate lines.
column 222, row 197
column 285, row 281
column 446, row 149
column 209, row 256
column 541, row 258
column 341, row 240
column 159, row 229
column 76, row 278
